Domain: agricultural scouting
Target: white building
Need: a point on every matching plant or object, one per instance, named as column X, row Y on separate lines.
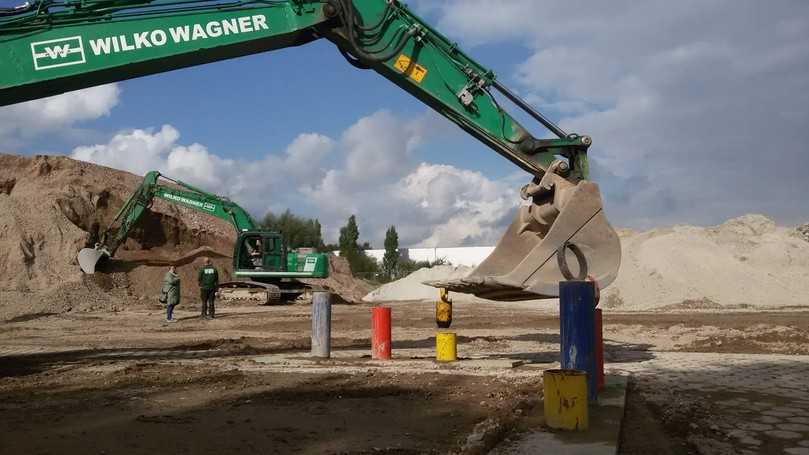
column 469, row 256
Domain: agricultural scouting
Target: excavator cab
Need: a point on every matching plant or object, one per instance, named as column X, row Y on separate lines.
column 262, row 251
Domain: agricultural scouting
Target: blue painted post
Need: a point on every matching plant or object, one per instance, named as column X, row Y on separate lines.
column 577, row 330
column 321, row 324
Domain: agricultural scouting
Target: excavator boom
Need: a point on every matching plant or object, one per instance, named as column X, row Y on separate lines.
column 141, row 200
column 53, row 46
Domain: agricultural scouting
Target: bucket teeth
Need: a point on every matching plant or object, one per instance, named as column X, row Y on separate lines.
column 484, row 287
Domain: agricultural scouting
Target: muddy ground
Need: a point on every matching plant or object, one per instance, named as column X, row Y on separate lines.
column 126, row 383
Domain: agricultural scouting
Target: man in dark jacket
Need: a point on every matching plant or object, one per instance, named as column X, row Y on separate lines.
column 208, row 279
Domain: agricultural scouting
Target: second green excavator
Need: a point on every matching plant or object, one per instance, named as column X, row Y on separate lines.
column 266, row 270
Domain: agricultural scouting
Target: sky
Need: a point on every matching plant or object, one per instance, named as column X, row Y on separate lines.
column 698, row 110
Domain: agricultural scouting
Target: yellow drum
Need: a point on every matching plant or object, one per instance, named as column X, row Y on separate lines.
column 445, row 347
column 566, row 399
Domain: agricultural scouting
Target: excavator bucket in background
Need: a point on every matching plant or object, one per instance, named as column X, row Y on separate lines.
column 562, row 234
column 89, row 257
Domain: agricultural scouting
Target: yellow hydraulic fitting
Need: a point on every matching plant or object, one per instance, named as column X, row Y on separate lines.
column 443, row 309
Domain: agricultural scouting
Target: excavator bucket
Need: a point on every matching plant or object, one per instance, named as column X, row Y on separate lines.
column 89, row 257
column 562, row 234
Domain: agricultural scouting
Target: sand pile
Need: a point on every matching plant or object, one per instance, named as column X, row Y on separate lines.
column 803, row 232
column 410, row 287
column 744, row 262
column 51, row 207
column 341, row 281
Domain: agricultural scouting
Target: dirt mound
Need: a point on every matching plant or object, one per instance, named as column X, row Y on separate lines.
column 51, row 207
column 803, row 231
column 745, row 262
column 342, row 282
column 411, row 287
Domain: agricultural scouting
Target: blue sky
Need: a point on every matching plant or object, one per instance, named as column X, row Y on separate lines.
column 698, row 111
column 247, row 107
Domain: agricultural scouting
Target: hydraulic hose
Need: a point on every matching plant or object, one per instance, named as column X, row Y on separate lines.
column 378, row 24
column 348, row 17
column 353, row 61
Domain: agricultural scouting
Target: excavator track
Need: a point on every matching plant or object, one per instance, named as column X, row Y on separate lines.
column 249, row 291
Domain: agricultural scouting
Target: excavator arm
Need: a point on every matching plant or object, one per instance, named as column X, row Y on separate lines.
column 142, row 199
column 61, row 46
column 53, row 46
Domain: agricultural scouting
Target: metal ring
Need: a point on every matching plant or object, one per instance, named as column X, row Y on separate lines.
column 561, row 259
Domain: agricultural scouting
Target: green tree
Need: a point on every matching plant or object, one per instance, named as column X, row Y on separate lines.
column 349, row 246
column 318, row 233
column 298, row 232
column 390, row 261
column 349, row 237
column 408, row 266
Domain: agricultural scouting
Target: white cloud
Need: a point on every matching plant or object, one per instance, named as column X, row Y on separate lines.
column 137, row 151
column 305, row 153
column 255, row 184
column 374, row 177
column 429, row 204
column 378, row 145
column 704, row 102
column 59, row 113
column 461, row 206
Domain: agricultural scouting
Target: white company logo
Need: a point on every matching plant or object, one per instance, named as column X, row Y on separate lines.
column 58, row 52
column 203, row 205
column 70, row 51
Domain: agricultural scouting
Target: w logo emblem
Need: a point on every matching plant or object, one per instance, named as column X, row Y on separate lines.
column 58, row 52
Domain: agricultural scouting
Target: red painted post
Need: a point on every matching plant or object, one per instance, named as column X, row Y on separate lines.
column 599, row 340
column 599, row 336
column 380, row 333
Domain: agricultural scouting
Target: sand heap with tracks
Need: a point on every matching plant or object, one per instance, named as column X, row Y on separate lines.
column 52, row 206
column 744, row 262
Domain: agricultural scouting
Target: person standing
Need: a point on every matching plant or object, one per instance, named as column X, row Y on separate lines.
column 171, row 292
column 208, row 279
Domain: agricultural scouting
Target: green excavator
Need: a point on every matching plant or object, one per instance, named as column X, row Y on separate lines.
column 49, row 47
column 266, row 270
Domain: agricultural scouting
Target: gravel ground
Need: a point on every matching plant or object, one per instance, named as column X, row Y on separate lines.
column 124, row 382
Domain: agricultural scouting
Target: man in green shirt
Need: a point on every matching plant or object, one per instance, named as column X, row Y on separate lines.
column 208, row 279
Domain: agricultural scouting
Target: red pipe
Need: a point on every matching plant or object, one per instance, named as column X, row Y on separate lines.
column 380, row 333
column 599, row 341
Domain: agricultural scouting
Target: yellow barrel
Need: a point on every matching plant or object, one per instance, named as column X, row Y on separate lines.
column 445, row 350
column 566, row 399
